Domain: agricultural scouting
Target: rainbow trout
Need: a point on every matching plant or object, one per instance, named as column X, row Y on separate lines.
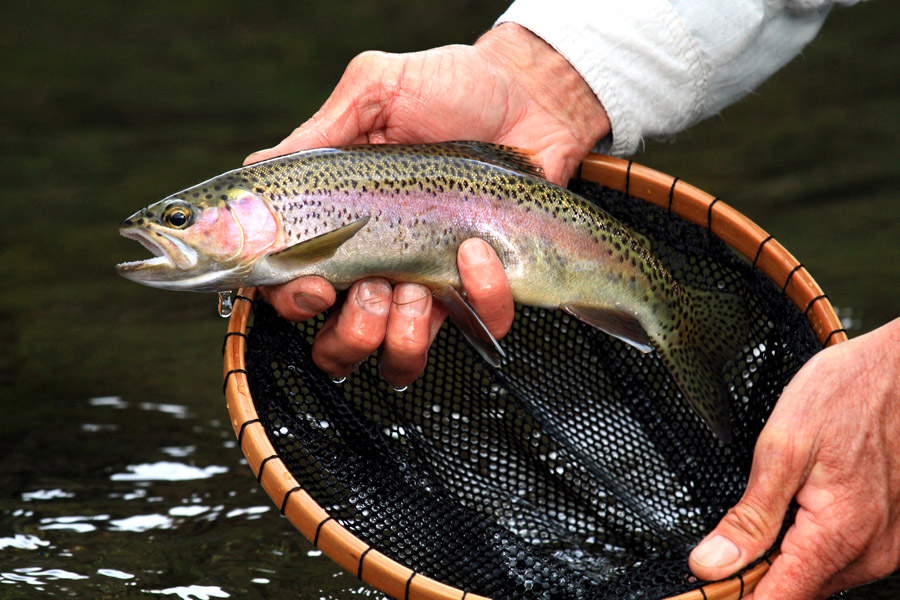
column 401, row 212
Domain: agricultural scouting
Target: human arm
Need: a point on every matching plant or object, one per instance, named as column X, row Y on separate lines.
column 659, row 66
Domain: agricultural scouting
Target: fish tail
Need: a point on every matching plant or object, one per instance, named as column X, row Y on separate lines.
column 710, row 331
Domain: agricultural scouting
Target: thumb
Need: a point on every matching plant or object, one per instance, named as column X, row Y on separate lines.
column 752, row 525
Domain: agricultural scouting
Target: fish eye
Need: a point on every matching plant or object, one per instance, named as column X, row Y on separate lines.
column 177, row 216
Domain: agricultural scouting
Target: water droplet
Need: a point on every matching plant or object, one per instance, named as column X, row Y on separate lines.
column 339, row 379
column 401, row 389
column 226, row 303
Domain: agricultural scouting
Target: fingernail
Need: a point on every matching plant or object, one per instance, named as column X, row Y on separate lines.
column 373, row 296
column 309, row 303
column 717, row 551
column 474, row 252
column 254, row 157
column 411, row 300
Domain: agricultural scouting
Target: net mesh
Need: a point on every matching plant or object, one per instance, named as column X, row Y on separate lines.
column 573, row 471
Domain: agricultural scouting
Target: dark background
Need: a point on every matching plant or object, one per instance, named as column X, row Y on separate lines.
column 106, row 107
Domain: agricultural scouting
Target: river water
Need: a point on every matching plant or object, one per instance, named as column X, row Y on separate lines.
column 120, row 476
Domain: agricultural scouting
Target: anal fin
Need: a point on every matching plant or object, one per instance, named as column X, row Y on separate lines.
column 616, row 323
column 470, row 324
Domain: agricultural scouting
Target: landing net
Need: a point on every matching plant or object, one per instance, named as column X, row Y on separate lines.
column 575, row 471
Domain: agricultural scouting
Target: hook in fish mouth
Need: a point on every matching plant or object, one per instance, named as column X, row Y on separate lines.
column 169, row 253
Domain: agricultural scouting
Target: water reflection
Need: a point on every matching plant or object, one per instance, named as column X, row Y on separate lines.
column 167, row 471
column 185, row 520
column 115, row 574
column 46, row 495
column 37, row 577
column 193, row 592
column 23, row 542
column 81, row 524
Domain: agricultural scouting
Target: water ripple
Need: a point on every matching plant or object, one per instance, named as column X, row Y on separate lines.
column 167, row 471
column 46, row 495
column 115, row 574
column 193, row 592
column 23, row 542
column 37, row 576
column 139, row 523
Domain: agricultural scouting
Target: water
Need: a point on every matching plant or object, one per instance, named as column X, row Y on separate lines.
column 226, row 304
column 183, row 518
column 120, row 476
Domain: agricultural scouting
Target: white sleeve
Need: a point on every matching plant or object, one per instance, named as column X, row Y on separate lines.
column 659, row 66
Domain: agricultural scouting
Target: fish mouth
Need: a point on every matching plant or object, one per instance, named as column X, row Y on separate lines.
column 170, row 256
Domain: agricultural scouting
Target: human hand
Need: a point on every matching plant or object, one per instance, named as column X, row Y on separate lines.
column 509, row 88
column 832, row 443
column 402, row 321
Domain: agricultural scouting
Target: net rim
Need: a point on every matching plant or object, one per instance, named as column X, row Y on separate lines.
column 399, row 581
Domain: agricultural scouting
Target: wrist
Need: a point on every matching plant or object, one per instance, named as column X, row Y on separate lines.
column 549, row 79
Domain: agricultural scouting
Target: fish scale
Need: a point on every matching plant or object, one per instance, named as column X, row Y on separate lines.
column 401, row 212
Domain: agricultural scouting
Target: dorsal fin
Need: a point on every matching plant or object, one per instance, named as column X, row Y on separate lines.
column 508, row 157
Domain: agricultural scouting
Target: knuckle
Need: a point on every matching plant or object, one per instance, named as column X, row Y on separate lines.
column 364, row 60
column 751, row 522
column 858, row 544
column 880, row 564
column 811, row 560
column 776, row 439
column 406, row 348
column 358, row 340
column 371, row 66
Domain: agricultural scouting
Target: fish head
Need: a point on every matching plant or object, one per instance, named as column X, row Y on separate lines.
column 205, row 238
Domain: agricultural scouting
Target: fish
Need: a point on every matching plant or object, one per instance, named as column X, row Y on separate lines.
column 402, row 211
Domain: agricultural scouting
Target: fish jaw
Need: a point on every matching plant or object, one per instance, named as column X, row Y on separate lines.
column 176, row 253
column 176, row 265
column 173, row 259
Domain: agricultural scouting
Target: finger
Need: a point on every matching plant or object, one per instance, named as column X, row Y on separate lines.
column 835, row 541
column 355, row 108
column 556, row 152
column 300, row 299
column 486, row 285
column 347, row 339
column 808, row 559
column 408, row 335
column 752, row 525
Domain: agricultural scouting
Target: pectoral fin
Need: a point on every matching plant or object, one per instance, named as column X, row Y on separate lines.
column 616, row 323
column 317, row 248
column 471, row 325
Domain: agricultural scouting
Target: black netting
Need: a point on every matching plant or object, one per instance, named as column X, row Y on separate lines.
column 574, row 471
